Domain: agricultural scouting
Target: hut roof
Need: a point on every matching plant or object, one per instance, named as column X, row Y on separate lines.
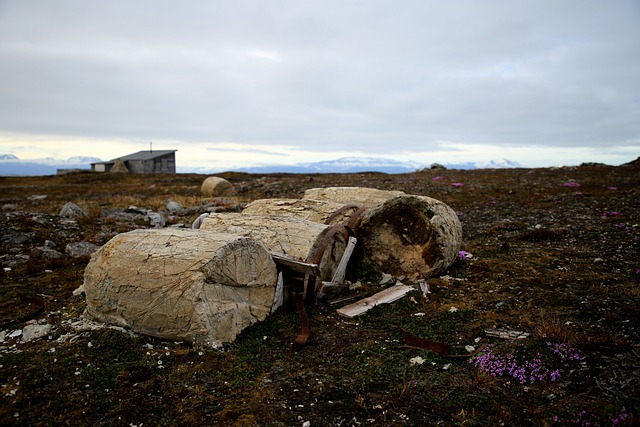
column 140, row 155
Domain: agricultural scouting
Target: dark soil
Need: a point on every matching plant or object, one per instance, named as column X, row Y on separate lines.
column 555, row 253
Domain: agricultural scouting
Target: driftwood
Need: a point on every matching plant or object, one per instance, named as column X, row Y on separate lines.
column 416, row 236
column 322, row 211
column 385, row 296
column 181, row 285
column 401, row 234
column 361, row 196
column 299, row 238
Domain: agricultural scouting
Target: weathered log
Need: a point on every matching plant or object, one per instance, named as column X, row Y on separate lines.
column 415, row 236
column 401, row 234
column 322, row 211
column 361, row 196
column 215, row 186
column 181, row 285
column 306, row 240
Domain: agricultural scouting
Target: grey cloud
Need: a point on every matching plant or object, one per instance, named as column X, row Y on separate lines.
column 377, row 75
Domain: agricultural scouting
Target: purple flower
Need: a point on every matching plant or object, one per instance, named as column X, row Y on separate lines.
column 571, row 183
column 464, row 255
column 612, row 188
column 436, row 178
column 457, row 184
column 607, row 214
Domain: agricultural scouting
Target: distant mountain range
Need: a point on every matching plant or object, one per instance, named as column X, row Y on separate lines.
column 372, row 164
column 12, row 165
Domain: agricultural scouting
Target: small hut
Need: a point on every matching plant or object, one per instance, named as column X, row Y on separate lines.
column 149, row 161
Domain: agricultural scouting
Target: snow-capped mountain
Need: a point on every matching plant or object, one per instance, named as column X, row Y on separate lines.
column 83, row 159
column 362, row 164
column 498, row 164
column 343, row 165
column 372, row 164
column 12, row 165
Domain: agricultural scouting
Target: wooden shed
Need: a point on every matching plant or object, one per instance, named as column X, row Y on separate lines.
column 156, row 161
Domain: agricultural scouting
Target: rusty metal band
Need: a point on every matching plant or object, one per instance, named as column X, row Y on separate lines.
column 342, row 210
column 327, row 239
column 354, row 221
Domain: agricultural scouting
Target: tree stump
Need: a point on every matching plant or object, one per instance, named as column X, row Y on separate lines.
column 299, row 238
column 181, row 285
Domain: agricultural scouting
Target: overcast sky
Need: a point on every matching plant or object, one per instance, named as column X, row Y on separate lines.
column 238, row 83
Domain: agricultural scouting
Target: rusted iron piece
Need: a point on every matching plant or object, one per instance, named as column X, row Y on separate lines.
column 305, row 330
column 354, row 221
column 427, row 344
column 437, row 347
column 342, row 210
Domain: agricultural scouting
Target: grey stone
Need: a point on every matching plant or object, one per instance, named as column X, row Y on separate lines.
column 71, row 210
column 156, row 219
column 33, row 330
column 173, row 207
column 80, row 249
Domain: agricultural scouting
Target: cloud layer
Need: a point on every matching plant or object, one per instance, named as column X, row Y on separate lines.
column 381, row 77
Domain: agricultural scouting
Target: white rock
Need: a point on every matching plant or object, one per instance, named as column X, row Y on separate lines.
column 33, row 331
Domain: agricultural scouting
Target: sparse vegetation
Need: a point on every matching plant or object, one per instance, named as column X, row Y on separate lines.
column 559, row 261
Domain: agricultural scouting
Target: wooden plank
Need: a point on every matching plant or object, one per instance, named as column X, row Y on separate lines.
column 295, row 265
column 338, row 276
column 386, row 296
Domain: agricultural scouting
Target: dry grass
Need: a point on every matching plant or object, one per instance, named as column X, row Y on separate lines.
column 546, row 261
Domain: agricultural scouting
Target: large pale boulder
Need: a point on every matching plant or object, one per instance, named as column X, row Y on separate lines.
column 181, row 285
column 214, row 186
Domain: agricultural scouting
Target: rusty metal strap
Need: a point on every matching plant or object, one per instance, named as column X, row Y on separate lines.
column 327, row 239
column 343, row 209
column 354, row 221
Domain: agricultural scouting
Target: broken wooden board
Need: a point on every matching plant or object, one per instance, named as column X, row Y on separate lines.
column 386, row 296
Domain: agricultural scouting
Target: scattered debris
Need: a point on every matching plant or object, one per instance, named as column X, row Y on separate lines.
column 386, row 296
column 506, row 334
column 416, row 360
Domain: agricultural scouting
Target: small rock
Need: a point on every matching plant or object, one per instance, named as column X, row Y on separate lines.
column 49, row 253
column 156, row 219
column 416, row 360
column 9, row 207
column 33, row 331
column 78, row 291
column 37, row 197
column 80, row 249
column 387, row 279
column 173, row 207
column 71, row 210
